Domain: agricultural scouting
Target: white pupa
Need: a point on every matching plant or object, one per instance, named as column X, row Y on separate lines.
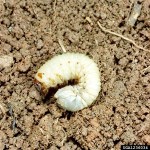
column 71, row 67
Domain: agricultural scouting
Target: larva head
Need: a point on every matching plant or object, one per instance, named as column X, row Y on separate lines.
column 40, row 87
column 40, row 83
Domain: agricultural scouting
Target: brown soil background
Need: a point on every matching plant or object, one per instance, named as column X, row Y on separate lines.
column 29, row 33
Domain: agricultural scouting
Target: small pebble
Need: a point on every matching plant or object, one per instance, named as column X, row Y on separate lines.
column 6, row 61
column 25, row 64
column 146, row 138
column 39, row 44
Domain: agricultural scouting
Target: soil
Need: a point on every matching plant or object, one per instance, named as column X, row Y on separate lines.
column 29, row 35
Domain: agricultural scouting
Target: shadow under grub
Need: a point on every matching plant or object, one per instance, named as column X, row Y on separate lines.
column 67, row 114
column 49, row 96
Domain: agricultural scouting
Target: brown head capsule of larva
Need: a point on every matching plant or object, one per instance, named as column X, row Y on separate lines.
column 40, row 87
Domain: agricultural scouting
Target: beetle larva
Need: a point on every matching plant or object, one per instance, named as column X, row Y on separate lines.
column 71, row 67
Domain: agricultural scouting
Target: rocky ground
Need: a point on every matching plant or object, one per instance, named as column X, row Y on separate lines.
column 29, row 35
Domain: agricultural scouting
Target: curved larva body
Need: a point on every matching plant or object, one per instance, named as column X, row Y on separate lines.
column 66, row 67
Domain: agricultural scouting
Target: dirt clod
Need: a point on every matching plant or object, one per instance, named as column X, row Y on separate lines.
column 6, row 61
column 146, row 138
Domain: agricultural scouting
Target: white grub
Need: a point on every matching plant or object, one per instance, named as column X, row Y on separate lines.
column 134, row 13
column 71, row 66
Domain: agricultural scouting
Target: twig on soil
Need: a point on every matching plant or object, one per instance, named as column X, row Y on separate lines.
column 136, row 10
column 54, row 8
column 54, row 5
column 13, row 125
column 62, row 46
column 65, row 137
column 42, row 131
column 89, row 20
column 146, row 70
column 123, row 37
column 4, row 113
